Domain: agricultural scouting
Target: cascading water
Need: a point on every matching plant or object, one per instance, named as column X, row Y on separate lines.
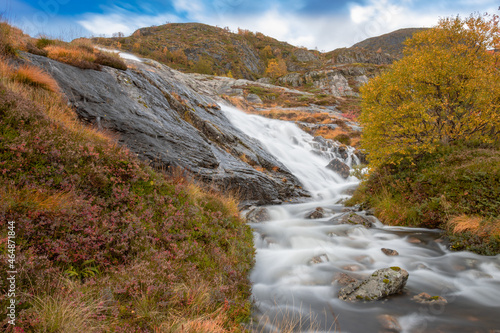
column 298, row 261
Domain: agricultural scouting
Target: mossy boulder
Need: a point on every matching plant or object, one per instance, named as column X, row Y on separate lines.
column 382, row 283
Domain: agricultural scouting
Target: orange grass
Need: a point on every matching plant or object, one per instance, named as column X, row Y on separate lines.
column 474, row 224
column 36, row 77
column 74, row 56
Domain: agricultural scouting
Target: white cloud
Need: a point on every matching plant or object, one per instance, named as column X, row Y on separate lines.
column 125, row 22
column 193, row 8
column 327, row 31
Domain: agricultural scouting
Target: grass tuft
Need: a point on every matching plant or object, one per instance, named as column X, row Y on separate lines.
column 36, row 77
column 73, row 56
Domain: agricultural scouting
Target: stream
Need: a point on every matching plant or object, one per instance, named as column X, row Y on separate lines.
column 298, row 260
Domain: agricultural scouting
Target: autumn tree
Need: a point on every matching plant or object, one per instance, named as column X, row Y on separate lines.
column 276, row 68
column 445, row 88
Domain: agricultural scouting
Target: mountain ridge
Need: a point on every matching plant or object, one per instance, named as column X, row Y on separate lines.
column 205, row 49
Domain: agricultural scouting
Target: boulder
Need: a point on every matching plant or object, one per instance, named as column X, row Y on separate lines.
column 361, row 156
column 390, row 252
column 383, row 282
column 257, row 215
column 389, row 324
column 342, row 151
column 254, row 99
column 318, row 213
column 353, row 218
column 265, row 80
column 336, row 165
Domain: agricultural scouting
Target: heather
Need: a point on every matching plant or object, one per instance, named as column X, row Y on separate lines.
column 104, row 242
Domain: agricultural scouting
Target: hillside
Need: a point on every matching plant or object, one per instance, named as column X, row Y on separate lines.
column 103, row 242
column 205, row 49
column 391, row 43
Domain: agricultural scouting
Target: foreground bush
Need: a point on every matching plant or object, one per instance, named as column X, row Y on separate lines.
column 456, row 188
column 105, row 243
column 445, row 89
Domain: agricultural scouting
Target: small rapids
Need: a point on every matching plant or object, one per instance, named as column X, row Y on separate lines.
column 298, row 260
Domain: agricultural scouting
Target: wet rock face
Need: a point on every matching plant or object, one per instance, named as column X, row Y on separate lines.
column 159, row 114
column 318, row 213
column 339, row 167
column 257, row 215
column 383, row 282
column 352, row 218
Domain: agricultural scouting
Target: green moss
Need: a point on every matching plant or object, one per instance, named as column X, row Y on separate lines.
column 395, row 268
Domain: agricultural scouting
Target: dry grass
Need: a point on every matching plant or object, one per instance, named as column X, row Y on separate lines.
column 83, row 44
column 465, row 223
column 287, row 321
column 54, row 106
column 67, row 310
column 197, row 325
column 110, row 59
column 52, row 202
column 74, row 56
column 11, row 39
column 36, row 77
column 5, row 69
column 474, row 224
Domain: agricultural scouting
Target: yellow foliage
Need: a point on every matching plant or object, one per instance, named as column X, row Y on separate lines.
column 276, row 68
column 446, row 88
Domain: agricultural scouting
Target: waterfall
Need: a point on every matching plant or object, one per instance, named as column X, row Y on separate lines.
column 298, row 151
column 298, row 260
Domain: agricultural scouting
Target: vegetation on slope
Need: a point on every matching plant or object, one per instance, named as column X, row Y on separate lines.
column 392, row 42
column 431, row 131
column 201, row 48
column 104, row 243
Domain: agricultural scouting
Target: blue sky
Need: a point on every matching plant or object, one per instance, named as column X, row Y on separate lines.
column 321, row 24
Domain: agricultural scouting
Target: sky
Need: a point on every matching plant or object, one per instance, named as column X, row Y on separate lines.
column 316, row 24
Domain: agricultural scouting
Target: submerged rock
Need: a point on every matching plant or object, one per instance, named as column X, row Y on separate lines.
column 343, row 279
column 383, row 282
column 318, row 213
column 353, row 218
column 389, row 324
column 425, row 298
column 336, row 165
column 319, row 259
column 257, row 215
column 390, row 252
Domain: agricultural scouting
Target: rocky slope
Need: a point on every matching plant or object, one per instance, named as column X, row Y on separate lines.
column 161, row 118
column 201, row 48
column 391, row 43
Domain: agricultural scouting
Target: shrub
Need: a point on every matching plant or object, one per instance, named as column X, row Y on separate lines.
column 343, row 138
column 43, row 42
column 110, row 59
column 83, row 44
column 6, row 44
column 31, row 48
column 445, row 89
